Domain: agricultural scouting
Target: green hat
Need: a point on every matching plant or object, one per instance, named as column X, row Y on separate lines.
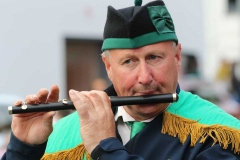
column 137, row 26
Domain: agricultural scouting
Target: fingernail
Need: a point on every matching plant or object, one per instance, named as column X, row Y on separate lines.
column 72, row 91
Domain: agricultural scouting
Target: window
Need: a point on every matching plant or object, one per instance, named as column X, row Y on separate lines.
column 233, row 6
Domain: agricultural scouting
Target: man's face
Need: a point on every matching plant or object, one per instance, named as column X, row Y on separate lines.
column 151, row 69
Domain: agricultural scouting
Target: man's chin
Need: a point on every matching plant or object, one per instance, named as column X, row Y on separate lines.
column 151, row 108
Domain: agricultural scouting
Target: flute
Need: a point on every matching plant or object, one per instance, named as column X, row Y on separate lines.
column 115, row 102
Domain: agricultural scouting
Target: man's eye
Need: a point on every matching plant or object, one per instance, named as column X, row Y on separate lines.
column 152, row 57
column 127, row 61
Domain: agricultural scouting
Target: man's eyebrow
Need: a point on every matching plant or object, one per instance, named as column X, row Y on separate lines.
column 156, row 52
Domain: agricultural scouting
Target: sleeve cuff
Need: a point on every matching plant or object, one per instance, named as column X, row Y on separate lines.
column 105, row 146
column 26, row 149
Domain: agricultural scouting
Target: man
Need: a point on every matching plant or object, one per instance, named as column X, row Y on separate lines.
column 142, row 57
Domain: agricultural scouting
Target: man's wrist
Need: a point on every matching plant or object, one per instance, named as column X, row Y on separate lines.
column 27, row 150
column 106, row 146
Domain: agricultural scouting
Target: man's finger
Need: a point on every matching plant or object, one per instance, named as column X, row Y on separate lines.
column 95, row 97
column 53, row 94
column 17, row 103
column 31, row 99
column 80, row 102
column 42, row 95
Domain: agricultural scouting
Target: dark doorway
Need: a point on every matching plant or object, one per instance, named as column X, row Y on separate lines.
column 84, row 63
column 83, row 66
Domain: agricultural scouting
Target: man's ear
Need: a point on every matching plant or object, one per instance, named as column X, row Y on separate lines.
column 178, row 56
column 107, row 63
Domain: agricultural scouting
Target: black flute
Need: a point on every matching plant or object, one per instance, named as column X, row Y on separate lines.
column 115, row 101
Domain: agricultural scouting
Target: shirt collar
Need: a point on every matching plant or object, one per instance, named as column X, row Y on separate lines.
column 126, row 117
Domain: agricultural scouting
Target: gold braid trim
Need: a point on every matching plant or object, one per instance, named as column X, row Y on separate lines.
column 180, row 127
column 76, row 153
column 175, row 126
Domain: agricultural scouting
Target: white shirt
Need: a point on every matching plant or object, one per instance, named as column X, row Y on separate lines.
column 123, row 129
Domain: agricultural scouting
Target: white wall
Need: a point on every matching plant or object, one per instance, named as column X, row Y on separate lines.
column 32, row 37
column 222, row 36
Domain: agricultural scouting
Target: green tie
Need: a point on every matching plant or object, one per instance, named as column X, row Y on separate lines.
column 136, row 127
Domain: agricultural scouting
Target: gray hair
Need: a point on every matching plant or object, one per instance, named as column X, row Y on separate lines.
column 106, row 53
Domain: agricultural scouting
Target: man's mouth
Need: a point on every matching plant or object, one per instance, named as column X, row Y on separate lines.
column 142, row 93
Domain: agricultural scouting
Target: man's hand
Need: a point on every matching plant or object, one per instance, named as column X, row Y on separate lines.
column 96, row 117
column 35, row 128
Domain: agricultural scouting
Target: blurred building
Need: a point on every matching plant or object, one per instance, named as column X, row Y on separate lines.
column 222, row 34
column 59, row 42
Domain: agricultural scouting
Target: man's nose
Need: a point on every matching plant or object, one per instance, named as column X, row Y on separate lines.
column 144, row 74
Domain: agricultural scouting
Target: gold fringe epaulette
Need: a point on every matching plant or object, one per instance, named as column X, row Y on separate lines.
column 76, row 153
column 180, row 127
column 175, row 126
